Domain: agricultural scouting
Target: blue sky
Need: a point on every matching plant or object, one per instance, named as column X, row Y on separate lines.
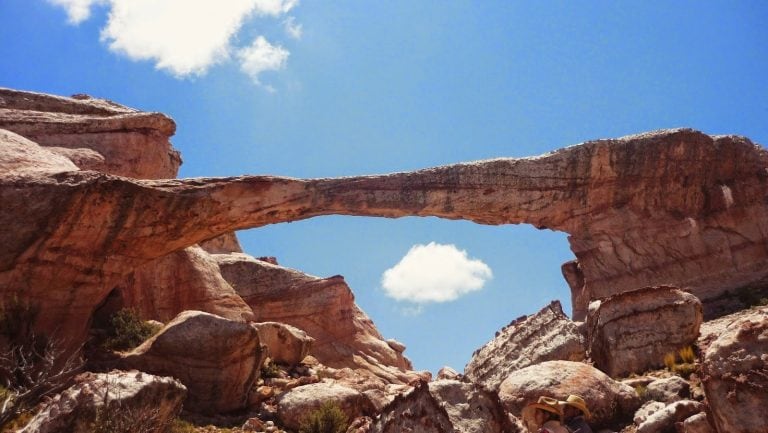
column 360, row 87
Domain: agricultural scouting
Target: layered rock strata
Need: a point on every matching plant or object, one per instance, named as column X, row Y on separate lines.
column 545, row 336
column 631, row 332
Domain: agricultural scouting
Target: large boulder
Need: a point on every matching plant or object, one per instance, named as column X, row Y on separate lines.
column 470, row 408
column 217, row 359
column 545, row 336
column 296, row 404
column 735, row 370
column 631, row 332
column 415, row 411
column 116, row 401
column 609, row 401
column 286, row 344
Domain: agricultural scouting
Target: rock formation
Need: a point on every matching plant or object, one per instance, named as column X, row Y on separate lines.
column 735, row 372
column 665, row 419
column 470, row 408
column 322, row 307
column 217, row 359
column 632, row 331
column 124, row 401
column 286, row 344
column 545, row 336
column 607, row 399
column 296, row 404
column 416, row 411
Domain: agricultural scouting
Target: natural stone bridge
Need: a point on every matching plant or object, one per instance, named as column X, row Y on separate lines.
column 668, row 207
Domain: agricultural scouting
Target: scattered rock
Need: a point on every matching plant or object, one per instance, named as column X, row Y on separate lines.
column 118, row 399
column 287, row 345
column 632, row 331
column 470, row 408
column 646, row 410
column 735, row 370
column 294, row 405
column 664, row 420
column 669, row 389
column 217, row 359
column 545, row 336
column 608, row 400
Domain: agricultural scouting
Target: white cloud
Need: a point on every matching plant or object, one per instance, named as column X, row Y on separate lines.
column 293, row 29
column 77, row 10
column 434, row 273
column 262, row 56
column 184, row 37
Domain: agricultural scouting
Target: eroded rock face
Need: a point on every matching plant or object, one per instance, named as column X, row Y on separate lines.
column 125, row 399
column 286, row 344
column 545, row 336
column 416, row 411
column 322, row 307
column 217, row 359
column 735, row 372
column 608, row 400
column 631, row 332
column 296, row 404
column 99, row 134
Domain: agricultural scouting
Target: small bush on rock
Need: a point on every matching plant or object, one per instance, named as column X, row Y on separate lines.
column 328, row 418
column 687, row 355
column 127, row 330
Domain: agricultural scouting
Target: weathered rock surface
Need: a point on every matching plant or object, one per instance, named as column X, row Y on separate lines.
column 286, row 344
column 20, row 155
column 664, row 420
column 545, row 336
column 448, row 373
column 669, row 389
column 735, row 370
column 632, row 331
column 296, row 404
column 470, row 408
column 139, row 400
column 608, row 400
column 697, row 424
column 416, row 411
column 101, row 135
column 217, row 359
column 322, row 307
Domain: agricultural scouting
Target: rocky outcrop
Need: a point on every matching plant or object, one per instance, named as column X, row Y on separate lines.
column 735, row 370
column 608, row 401
column 98, row 134
column 124, row 401
column 545, row 336
column 665, row 419
column 217, row 359
column 470, row 408
column 322, row 307
column 286, row 344
column 631, row 332
column 416, row 411
column 188, row 279
column 669, row 389
column 296, row 404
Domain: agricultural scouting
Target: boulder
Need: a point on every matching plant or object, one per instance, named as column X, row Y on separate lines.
column 286, row 344
column 324, row 308
column 545, row 336
column 631, row 332
column 669, row 389
column 294, row 405
column 217, row 359
column 470, row 408
column 696, row 424
column 608, row 401
column 116, row 401
column 415, row 411
column 664, row 420
column 448, row 373
column 735, row 375
column 646, row 410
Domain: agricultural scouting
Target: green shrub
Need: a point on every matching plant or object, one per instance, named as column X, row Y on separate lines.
column 642, row 391
column 127, row 330
column 328, row 418
column 270, row 369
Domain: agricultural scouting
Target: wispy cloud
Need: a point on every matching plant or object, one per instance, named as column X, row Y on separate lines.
column 262, row 56
column 434, row 273
column 186, row 38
